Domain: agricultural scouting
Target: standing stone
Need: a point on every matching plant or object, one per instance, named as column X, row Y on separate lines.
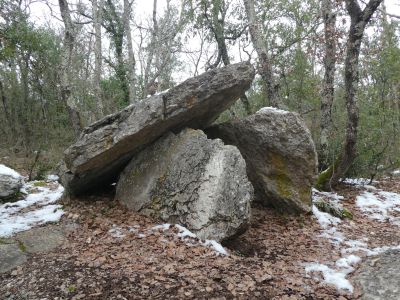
column 10, row 182
column 280, row 156
column 190, row 180
column 105, row 147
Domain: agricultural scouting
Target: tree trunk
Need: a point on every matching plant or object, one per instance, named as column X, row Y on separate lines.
column 359, row 20
column 264, row 62
column 152, row 49
column 114, row 25
column 5, row 106
column 66, row 64
column 97, row 20
column 328, row 90
column 131, row 55
column 216, row 25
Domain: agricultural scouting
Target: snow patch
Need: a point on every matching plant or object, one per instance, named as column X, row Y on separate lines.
column 343, row 266
column 347, row 262
column 21, row 222
column 179, row 231
column 379, row 205
column 332, row 276
column 191, row 239
column 324, row 219
column 357, row 181
column 52, row 177
column 36, row 209
column 9, row 172
column 184, row 232
column 116, row 232
column 217, row 246
column 317, row 195
column 272, row 109
column 35, row 196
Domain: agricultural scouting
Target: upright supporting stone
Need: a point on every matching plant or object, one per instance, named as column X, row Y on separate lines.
column 280, row 156
column 190, row 180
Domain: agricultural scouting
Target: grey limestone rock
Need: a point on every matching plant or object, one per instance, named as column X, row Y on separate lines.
column 190, row 180
column 10, row 182
column 11, row 256
column 379, row 277
column 280, row 156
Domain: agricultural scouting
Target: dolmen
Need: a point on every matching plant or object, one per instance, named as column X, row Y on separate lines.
column 172, row 163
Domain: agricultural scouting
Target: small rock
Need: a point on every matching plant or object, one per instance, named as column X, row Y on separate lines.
column 10, row 182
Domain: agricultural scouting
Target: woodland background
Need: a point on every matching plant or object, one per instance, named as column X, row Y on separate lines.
column 96, row 57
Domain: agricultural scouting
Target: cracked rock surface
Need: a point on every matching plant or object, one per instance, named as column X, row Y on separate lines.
column 105, row 147
column 379, row 277
column 280, row 156
column 191, row 180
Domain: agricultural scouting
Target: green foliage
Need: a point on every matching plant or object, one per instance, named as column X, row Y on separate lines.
column 113, row 92
column 379, row 136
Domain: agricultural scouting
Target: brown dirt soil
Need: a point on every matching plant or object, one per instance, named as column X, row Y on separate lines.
column 266, row 262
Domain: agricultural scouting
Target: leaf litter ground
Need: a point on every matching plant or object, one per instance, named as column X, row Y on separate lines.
column 113, row 253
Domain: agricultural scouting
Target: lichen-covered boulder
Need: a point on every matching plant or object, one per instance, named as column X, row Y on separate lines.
column 10, row 182
column 188, row 179
column 280, row 156
column 105, row 147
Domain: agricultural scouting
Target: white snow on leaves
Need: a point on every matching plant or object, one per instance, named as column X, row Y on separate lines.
column 336, row 274
column 9, row 172
column 272, row 109
column 179, row 232
column 378, row 205
column 336, row 277
column 36, row 208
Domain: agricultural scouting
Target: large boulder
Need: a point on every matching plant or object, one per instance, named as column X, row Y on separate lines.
column 105, row 147
column 10, row 182
column 188, row 179
column 280, row 156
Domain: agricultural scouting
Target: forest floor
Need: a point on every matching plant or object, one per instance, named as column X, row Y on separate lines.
column 108, row 252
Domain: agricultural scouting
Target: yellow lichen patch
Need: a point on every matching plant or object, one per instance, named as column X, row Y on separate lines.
column 155, row 206
column 162, row 178
column 281, row 178
column 191, row 101
column 283, row 186
column 305, row 195
column 109, row 142
column 134, row 173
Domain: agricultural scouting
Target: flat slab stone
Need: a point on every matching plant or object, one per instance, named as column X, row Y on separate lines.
column 379, row 277
column 41, row 239
column 105, row 147
column 11, row 256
